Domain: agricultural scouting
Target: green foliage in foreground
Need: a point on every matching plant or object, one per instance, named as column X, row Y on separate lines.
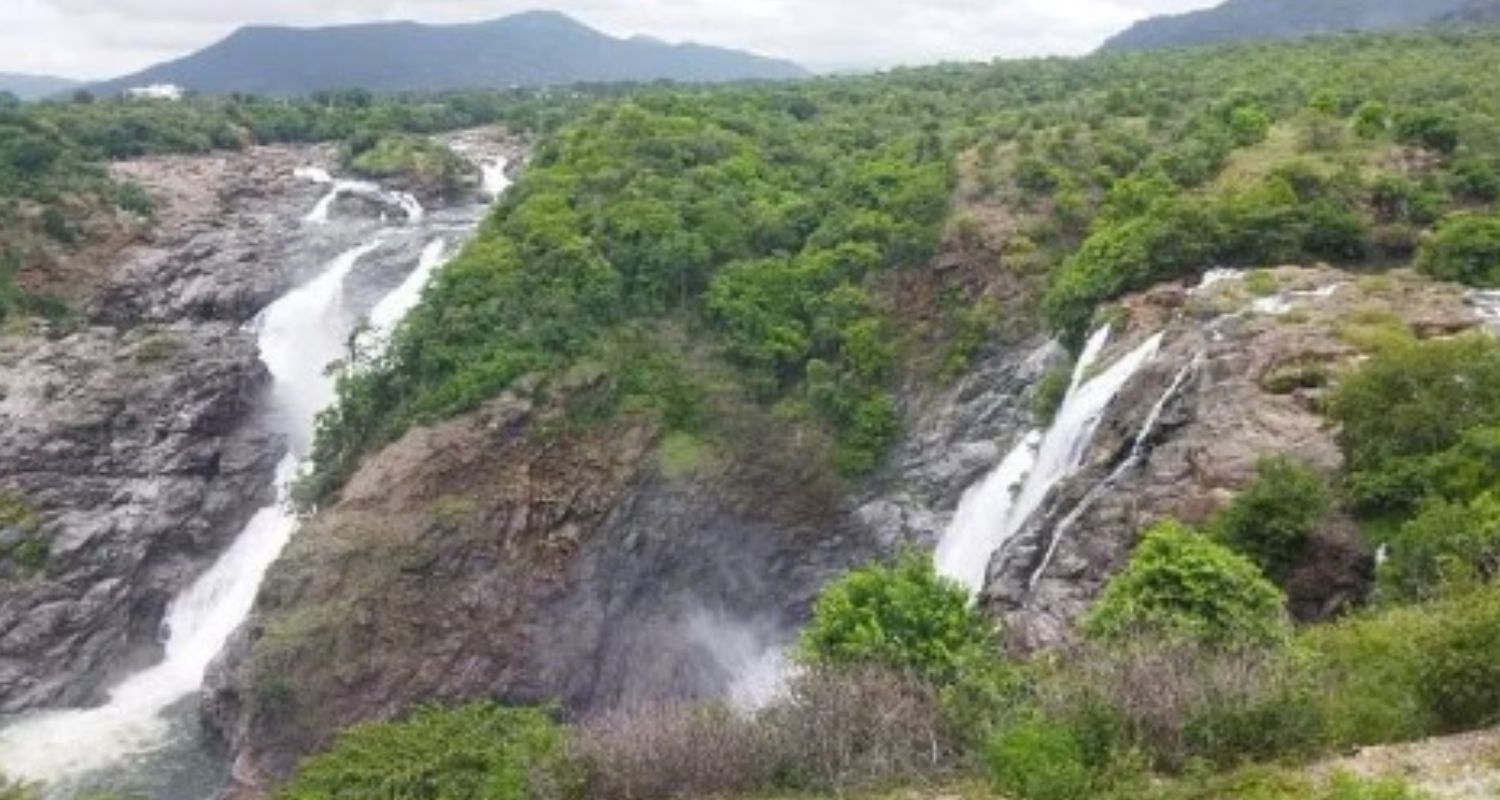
column 473, row 752
column 1180, row 583
column 1409, row 672
column 1272, row 519
column 903, row 616
column 17, row 790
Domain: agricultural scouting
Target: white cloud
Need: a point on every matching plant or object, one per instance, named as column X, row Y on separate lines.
column 102, row 38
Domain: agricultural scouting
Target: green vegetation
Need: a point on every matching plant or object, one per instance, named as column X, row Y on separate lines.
column 903, row 617
column 25, row 546
column 773, row 216
column 53, row 184
column 473, row 752
column 1465, row 248
column 1179, row 583
column 1049, row 393
column 788, row 231
column 416, row 161
column 1272, row 519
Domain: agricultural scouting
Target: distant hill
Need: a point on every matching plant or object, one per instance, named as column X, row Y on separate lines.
column 1239, row 20
column 530, row 49
column 34, row 87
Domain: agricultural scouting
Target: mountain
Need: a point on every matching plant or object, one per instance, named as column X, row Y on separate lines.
column 529, row 49
column 1240, row 20
column 33, row 87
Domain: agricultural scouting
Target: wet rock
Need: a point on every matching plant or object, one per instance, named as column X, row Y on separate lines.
column 1235, row 408
column 130, row 449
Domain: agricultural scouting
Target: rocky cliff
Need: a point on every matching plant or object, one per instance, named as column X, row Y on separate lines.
column 132, row 443
column 1239, row 376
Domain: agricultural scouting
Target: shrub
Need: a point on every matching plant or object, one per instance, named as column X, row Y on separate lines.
column 1049, row 393
column 1181, row 584
column 478, row 751
column 1371, row 119
column 1465, row 248
column 903, row 616
column 424, row 162
column 834, row 731
column 1408, row 403
column 1175, row 702
column 1039, row 760
column 1432, row 130
column 1459, row 678
column 1449, row 546
column 1371, row 668
column 1272, row 519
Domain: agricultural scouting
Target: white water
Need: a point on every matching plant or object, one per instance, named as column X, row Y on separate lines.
column 993, row 511
column 495, row 180
column 1137, row 452
column 300, row 334
column 320, row 212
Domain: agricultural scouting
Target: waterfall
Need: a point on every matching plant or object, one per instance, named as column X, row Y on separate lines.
column 991, row 512
column 407, row 202
column 495, row 180
column 1137, row 452
column 393, row 307
column 299, row 336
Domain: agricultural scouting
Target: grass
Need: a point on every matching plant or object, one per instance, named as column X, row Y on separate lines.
column 681, row 454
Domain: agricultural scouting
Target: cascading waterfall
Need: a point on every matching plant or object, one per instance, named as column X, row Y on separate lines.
column 991, row 512
column 408, row 203
column 1137, row 452
column 300, row 336
column 495, row 180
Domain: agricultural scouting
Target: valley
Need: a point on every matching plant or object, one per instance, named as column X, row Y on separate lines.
column 1120, row 426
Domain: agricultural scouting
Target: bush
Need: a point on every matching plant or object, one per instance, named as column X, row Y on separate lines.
column 903, row 616
column 1039, row 760
column 1432, row 130
column 1459, row 678
column 1049, row 393
column 1181, row 584
column 1448, row 547
column 1273, row 518
column 1409, row 402
column 426, row 164
column 480, row 751
column 1465, row 248
column 833, row 732
column 1174, row 702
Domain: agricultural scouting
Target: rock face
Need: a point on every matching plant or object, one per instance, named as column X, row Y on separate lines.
column 131, row 449
column 1238, row 378
column 490, row 556
column 132, row 437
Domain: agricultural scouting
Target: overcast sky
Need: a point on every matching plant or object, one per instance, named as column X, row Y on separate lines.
column 104, row 38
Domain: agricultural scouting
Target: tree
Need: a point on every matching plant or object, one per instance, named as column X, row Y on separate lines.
column 1180, row 584
column 1465, row 248
column 902, row 616
column 1274, row 517
column 1410, row 402
column 1448, row 546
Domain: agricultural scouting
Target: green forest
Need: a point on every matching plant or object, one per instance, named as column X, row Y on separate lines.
column 777, row 225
